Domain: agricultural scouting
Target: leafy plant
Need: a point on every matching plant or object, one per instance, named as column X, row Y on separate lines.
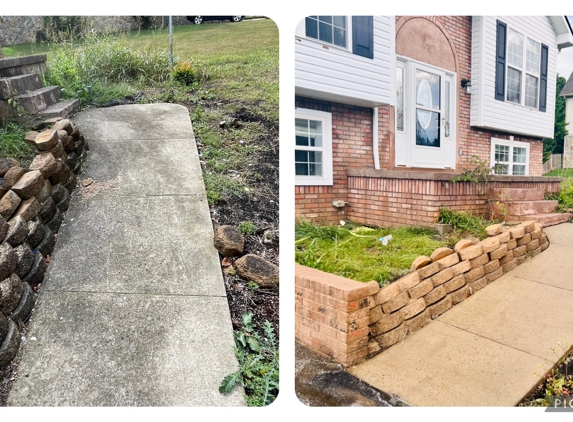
column 479, row 173
column 258, row 364
column 184, row 73
column 251, row 285
column 246, row 227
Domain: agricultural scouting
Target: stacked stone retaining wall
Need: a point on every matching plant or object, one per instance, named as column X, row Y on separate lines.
column 350, row 321
column 33, row 203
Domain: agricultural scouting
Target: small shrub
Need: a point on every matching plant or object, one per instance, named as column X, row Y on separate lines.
column 183, row 72
column 246, row 227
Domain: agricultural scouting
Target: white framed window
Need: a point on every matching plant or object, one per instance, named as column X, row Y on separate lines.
column 313, row 147
column 332, row 30
column 523, row 69
column 509, row 157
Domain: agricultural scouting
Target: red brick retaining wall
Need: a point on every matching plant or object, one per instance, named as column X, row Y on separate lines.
column 393, row 198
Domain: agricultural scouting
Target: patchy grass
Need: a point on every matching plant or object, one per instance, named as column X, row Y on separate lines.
column 356, row 252
column 12, row 144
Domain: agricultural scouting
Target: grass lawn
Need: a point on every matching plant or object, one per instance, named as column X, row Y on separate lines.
column 356, row 252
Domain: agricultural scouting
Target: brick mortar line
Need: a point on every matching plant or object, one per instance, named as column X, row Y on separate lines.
column 495, row 341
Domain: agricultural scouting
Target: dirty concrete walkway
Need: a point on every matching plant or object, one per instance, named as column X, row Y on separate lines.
column 491, row 349
column 133, row 309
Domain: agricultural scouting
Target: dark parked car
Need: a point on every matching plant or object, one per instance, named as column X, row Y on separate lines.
column 197, row 20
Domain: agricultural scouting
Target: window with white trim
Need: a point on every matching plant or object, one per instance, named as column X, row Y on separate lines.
column 523, row 68
column 509, row 157
column 328, row 29
column 313, row 147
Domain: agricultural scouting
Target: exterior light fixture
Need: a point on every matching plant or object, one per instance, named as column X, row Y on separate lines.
column 467, row 85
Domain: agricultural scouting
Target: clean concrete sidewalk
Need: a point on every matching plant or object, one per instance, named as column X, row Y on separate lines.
column 491, row 349
column 133, row 309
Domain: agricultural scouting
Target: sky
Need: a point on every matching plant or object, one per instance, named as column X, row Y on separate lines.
column 565, row 59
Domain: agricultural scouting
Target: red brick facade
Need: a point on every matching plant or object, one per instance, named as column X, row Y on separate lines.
column 352, row 149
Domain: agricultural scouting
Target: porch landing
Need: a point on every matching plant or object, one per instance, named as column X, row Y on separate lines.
column 493, row 348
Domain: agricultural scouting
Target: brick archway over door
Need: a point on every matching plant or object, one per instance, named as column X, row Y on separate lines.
column 425, row 39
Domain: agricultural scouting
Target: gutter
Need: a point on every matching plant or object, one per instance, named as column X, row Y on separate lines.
column 375, row 139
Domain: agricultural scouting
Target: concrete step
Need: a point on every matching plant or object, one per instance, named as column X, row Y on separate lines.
column 530, row 207
column 517, row 194
column 17, row 85
column 39, row 99
column 13, row 66
column 546, row 219
column 62, row 109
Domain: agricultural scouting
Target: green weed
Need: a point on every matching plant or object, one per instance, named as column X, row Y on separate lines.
column 258, row 358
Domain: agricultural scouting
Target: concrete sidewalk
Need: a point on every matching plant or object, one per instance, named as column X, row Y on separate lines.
column 133, row 309
column 491, row 349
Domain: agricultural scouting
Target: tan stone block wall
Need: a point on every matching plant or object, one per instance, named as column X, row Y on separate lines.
column 349, row 321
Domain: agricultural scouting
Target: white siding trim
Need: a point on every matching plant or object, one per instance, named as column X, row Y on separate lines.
column 331, row 73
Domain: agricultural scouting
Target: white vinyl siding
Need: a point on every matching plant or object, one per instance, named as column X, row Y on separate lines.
column 329, row 72
column 506, row 116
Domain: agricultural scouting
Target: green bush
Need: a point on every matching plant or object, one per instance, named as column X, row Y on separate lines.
column 184, row 73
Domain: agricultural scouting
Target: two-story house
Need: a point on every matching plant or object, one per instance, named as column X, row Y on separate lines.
column 390, row 108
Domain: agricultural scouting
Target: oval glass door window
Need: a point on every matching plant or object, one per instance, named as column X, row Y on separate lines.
column 424, row 99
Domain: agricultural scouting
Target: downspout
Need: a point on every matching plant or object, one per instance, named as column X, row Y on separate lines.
column 375, row 139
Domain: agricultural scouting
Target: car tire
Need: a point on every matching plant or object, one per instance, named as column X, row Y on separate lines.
column 236, row 18
column 197, row 20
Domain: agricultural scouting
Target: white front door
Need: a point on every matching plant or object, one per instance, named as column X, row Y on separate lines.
column 425, row 123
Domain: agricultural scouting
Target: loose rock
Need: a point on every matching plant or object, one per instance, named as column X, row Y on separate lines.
column 254, row 268
column 229, row 241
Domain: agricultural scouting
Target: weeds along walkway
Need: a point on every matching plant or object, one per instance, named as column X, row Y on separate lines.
column 133, row 310
column 493, row 348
